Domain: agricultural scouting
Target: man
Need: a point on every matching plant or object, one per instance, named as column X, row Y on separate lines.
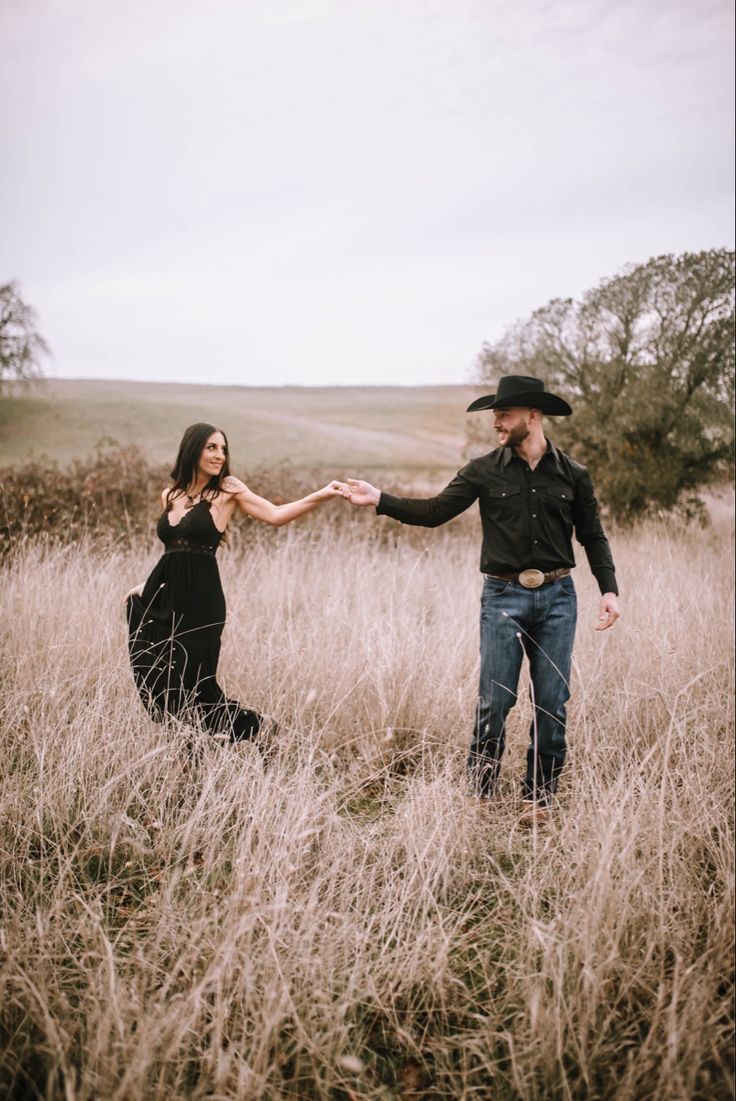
column 532, row 498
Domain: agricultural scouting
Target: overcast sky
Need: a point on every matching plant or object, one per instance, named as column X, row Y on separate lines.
column 346, row 191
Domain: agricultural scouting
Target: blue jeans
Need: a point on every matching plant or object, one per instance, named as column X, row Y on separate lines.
column 540, row 623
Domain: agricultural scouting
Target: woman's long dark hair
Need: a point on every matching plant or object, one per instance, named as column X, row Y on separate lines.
column 185, row 467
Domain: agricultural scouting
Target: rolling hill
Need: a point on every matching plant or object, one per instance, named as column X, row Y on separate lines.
column 344, row 428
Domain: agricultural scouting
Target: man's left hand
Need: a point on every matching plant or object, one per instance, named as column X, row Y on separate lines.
column 609, row 611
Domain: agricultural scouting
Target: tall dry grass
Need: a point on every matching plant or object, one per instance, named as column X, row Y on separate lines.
column 343, row 923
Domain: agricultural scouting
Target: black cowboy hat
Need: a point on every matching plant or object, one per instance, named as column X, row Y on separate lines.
column 524, row 391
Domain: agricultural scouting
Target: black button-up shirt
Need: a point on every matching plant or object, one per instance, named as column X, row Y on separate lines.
column 528, row 516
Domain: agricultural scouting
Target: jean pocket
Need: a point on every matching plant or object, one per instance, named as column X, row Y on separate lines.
column 494, row 587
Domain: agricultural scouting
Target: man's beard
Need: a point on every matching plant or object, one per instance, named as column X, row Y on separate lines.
column 517, row 436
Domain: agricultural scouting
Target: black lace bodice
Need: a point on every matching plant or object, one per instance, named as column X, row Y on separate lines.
column 195, row 533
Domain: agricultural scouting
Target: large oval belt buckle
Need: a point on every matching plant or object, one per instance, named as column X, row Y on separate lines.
column 531, row 579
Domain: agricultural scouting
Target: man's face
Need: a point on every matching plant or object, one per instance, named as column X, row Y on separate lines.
column 512, row 425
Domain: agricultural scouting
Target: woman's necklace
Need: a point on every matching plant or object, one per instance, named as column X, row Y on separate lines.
column 191, row 499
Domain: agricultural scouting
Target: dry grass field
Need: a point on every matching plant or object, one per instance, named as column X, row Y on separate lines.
column 180, row 920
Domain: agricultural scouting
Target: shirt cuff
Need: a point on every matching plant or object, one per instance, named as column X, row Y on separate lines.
column 384, row 504
column 606, row 579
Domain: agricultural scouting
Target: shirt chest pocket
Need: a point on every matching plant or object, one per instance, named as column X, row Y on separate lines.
column 503, row 498
column 556, row 500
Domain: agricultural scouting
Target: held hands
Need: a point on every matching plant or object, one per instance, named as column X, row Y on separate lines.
column 357, row 492
column 133, row 592
column 334, row 489
column 361, row 493
column 609, row 611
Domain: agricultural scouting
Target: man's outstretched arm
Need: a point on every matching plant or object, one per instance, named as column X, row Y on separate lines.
column 427, row 512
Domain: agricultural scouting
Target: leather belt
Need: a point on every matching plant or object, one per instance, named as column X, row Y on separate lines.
column 530, row 579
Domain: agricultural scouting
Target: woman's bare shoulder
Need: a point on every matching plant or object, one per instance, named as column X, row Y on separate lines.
column 231, row 484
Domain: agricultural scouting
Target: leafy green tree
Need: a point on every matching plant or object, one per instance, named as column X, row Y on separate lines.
column 21, row 345
column 646, row 360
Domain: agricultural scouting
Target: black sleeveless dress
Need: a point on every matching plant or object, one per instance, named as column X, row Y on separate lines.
column 175, row 627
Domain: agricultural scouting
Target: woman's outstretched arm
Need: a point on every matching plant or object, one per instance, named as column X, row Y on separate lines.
column 277, row 515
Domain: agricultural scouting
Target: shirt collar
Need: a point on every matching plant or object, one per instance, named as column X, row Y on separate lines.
column 506, row 454
column 553, row 453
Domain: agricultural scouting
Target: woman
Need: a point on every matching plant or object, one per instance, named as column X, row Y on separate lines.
column 176, row 618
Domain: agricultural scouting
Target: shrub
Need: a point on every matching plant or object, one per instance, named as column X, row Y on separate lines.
column 107, row 496
column 112, row 497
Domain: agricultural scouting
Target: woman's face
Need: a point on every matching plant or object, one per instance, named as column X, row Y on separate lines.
column 213, row 456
